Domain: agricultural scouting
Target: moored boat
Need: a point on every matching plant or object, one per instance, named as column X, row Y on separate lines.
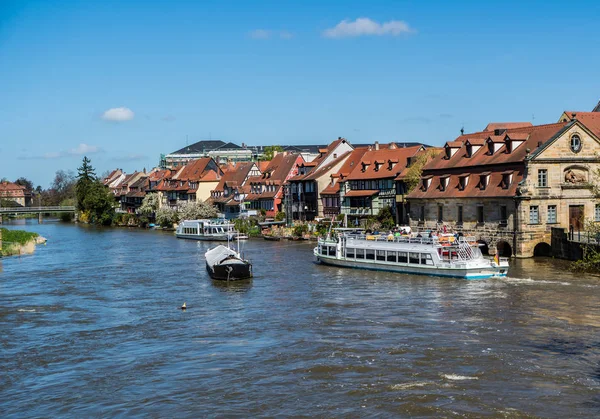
column 226, row 264
column 209, row 230
column 457, row 258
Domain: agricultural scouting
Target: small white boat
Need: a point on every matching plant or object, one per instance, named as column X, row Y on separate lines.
column 210, row 230
column 458, row 258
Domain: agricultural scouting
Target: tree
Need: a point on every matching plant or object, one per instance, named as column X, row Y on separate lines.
column 25, row 182
column 98, row 202
column 270, row 151
column 150, row 204
column 197, row 210
column 413, row 175
column 166, row 216
column 85, row 178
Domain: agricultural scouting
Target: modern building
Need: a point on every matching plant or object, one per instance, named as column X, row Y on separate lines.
column 216, row 149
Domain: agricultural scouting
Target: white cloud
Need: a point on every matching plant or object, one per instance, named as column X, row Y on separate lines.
column 118, row 114
column 267, row 34
column 82, row 149
column 260, row 34
column 363, row 26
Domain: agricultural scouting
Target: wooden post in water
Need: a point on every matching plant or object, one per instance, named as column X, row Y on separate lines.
column 40, row 218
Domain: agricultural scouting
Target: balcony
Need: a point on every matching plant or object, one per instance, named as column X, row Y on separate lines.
column 356, row 210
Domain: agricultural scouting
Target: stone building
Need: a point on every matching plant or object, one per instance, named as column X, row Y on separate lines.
column 509, row 186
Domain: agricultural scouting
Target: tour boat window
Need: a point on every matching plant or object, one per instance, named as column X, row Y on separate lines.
column 380, row 254
column 331, row 250
column 360, row 253
column 413, row 258
column 350, row 253
column 402, row 257
column 426, row 259
column 391, row 256
column 324, row 250
column 370, row 254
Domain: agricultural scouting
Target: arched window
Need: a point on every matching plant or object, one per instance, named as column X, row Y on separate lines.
column 575, row 143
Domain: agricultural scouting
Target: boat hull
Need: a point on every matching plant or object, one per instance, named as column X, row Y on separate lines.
column 230, row 271
column 220, row 237
column 483, row 272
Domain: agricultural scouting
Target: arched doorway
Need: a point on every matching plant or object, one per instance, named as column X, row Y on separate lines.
column 504, row 249
column 483, row 246
column 542, row 249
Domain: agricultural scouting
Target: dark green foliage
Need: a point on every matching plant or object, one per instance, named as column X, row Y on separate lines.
column 270, row 151
column 280, row 216
column 85, row 178
column 25, row 182
column 300, row 230
column 590, row 261
column 386, row 218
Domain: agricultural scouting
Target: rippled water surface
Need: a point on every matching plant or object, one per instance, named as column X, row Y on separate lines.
column 90, row 326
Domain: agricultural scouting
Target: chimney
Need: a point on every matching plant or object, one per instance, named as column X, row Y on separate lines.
column 376, row 146
column 275, row 152
column 573, row 116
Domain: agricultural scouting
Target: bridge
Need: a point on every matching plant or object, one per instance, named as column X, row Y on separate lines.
column 35, row 210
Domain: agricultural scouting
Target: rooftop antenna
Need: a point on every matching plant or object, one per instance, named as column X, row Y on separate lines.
column 462, row 130
column 532, row 117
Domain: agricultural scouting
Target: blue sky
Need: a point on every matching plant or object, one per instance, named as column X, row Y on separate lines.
column 277, row 72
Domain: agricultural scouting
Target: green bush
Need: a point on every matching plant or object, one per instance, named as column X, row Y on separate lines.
column 300, row 230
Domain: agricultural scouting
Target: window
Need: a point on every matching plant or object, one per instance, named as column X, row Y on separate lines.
column 462, row 182
column 360, row 253
column 597, row 212
column 380, row 254
column 370, row 254
column 506, row 180
column 480, row 213
column 551, row 214
column 331, row 250
column 534, row 215
column 503, row 215
column 422, row 213
column 542, row 178
column 413, row 258
column 350, row 253
column 391, row 256
column 440, row 213
column 402, row 257
column 575, row 143
column 483, row 179
column 426, row 259
column 459, row 218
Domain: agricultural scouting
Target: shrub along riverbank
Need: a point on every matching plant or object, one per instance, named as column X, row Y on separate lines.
column 17, row 242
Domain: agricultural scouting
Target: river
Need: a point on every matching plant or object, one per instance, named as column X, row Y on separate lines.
column 91, row 326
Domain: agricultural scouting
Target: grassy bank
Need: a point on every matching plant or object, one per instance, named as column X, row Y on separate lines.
column 13, row 240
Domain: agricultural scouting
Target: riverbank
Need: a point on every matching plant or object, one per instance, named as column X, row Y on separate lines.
column 18, row 242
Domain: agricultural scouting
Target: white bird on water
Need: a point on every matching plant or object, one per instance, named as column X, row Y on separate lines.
column 183, row 307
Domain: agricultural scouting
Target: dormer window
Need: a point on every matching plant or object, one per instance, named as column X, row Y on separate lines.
column 426, row 183
column 469, row 150
column 483, row 180
column 506, row 179
column 365, row 165
column 444, row 182
column 490, row 147
column 448, row 152
column 463, row 181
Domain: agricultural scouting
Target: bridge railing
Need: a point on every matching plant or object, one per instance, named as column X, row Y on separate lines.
column 14, row 210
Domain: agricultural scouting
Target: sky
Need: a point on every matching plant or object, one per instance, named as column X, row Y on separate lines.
column 124, row 81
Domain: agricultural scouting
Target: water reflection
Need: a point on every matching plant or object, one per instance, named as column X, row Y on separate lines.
column 244, row 285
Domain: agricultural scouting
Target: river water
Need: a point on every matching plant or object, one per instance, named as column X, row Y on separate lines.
column 90, row 326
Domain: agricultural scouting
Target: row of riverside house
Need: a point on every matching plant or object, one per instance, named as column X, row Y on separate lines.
column 341, row 179
column 512, row 182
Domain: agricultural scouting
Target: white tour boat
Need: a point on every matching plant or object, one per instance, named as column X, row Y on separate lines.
column 458, row 258
column 210, row 230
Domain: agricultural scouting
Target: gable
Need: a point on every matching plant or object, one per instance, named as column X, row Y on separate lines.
column 559, row 148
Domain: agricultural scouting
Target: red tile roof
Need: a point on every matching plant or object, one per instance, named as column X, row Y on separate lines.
column 368, row 171
column 483, row 163
column 351, row 162
column 204, row 169
column 506, row 125
column 361, row 192
column 590, row 119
